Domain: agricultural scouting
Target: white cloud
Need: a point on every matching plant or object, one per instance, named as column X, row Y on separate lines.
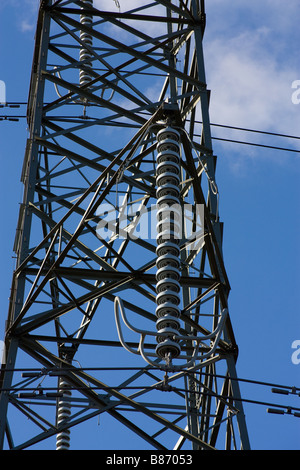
column 250, row 51
column 124, row 5
column 249, row 86
column 26, row 26
column 251, row 62
column 150, row 28
column 26, row 14
column 251, row 58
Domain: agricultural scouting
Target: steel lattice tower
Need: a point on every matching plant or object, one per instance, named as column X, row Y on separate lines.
column 105, row 319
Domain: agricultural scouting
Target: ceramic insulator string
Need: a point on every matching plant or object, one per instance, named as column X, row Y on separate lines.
column 168, row 237
column 85, row 55
column 63, row 414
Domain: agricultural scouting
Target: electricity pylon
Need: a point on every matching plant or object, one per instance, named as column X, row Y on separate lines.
column 115, row 311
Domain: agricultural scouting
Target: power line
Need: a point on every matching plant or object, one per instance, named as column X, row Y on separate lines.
column 253, row 144
column 38, row 372
column 54, row 392
column 274, row 134
column 257, row 145
column 14, row 104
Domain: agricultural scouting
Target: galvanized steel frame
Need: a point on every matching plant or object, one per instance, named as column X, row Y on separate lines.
column 63, row 272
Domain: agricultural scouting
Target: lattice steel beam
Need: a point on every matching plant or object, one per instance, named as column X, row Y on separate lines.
column 103, row 84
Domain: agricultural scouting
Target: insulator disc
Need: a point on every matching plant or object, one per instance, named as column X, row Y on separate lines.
column 167, row 272
column 168, row 133
column 168, row 226
column 167, row 235
column 168, row 260
column 167, row 321
column 168, row 199
column 87, row 39
column 168, row 146
column 168, row 190
column 167, row 333
column 167, row 308
column 169, row 178
column 168, row 347
column 169, row 210
column 168, row 167
column 168, row 285
column 167, row 156
column 167, row 247
column 167, row 296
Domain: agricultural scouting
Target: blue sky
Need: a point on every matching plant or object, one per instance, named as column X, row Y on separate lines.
column 252, row 58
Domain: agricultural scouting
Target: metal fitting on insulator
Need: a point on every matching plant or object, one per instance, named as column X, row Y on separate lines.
column 168, row 237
